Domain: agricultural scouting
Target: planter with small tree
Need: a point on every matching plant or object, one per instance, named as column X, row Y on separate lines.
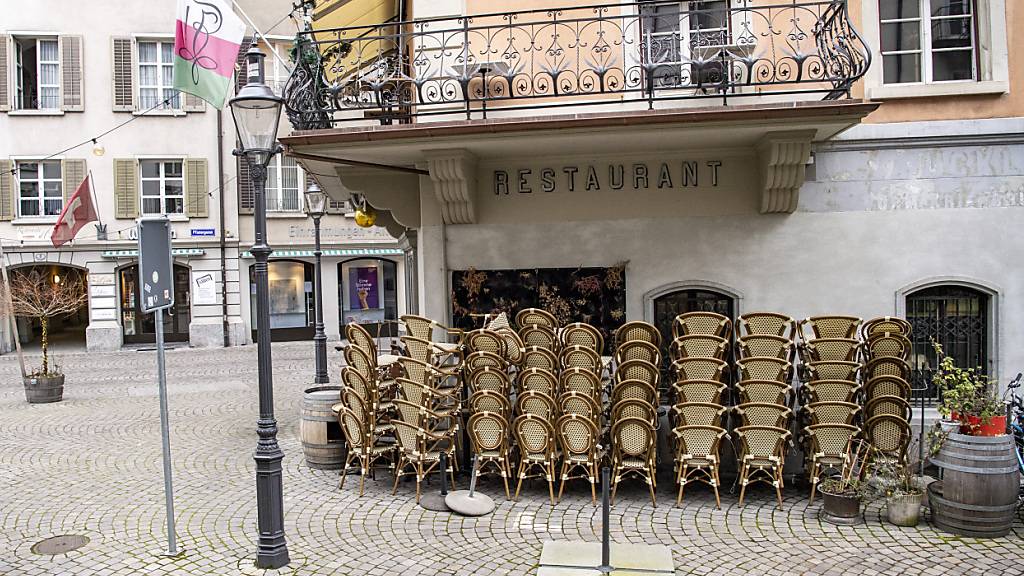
column 36, row 295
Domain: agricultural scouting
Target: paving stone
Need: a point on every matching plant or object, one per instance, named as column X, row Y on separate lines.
column 91, row 465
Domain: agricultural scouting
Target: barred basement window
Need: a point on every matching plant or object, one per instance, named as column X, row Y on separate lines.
column 957, row 318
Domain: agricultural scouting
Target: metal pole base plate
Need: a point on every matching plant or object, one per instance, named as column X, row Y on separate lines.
column 476, row 505
column 434, row 502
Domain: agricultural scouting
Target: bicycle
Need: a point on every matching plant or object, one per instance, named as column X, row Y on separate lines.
column 1016, row 422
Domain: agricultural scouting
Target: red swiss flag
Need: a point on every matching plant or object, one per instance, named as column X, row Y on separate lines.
column 78, row 211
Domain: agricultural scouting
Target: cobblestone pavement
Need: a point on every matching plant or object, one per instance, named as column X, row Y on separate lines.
column 91, row 465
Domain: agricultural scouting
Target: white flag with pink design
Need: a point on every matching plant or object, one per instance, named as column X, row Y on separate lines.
column 206, row 44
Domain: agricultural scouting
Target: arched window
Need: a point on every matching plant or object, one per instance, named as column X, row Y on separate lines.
column 668, row 306
column 955, row 316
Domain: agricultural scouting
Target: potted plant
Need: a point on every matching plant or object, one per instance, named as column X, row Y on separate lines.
column 987, row 416
column 902, row 494
column 842, row 499
column 38, row 295
column 960, row 390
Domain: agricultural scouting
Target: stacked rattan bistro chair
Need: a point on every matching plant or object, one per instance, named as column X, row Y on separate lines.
column 580, row 427
column 699, row 352
column 887, row 393
column 765, row 350
column 633, row 403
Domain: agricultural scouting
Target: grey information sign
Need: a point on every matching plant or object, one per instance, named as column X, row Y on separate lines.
column 156, row 292
column 156, row 281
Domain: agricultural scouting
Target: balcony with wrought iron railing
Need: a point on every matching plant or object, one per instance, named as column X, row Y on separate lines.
column 628, row 56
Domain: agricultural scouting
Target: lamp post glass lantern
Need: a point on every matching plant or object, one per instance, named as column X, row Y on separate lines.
column 316, row 207
column 256, row 111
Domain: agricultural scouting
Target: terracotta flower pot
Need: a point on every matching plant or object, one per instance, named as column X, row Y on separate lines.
column 995, row 427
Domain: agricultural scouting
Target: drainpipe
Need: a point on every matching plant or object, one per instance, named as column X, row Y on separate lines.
column 223, row 238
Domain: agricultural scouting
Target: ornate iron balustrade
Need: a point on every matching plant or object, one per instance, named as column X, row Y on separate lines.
column 572, row 56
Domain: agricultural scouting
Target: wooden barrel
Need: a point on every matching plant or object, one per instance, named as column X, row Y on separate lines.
column 980, row 483
column 322, row 440
column 969, row 519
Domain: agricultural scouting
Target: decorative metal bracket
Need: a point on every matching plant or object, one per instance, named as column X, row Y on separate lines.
column 454, row 175
column 783, row 158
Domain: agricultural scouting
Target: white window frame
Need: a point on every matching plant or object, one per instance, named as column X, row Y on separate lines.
column 161, row 180
column 274, row 189
column 176, row 103
column 991, row 57
column 40, row 183
column 19, row 85
column 925, row 21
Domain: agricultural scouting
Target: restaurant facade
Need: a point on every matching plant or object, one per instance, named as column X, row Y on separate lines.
column 635, row 161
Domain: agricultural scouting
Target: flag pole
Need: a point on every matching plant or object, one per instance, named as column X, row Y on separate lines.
column 10, row 308
column 260, row 34
column 92, row 196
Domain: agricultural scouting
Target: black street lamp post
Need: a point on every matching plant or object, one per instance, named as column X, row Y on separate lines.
column 316, row 207
column 257, row 112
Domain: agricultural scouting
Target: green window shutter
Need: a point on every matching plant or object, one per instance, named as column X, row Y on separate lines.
column 193, row 103
column 123, row 86
column 5, row 65
column 126, row 188
column 74, row 171
column 6, row 190
column 71, row 73
column 197, row 188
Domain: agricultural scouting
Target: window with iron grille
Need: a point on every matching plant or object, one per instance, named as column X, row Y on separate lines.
column 926, row 41
column 957, row 318
column 683, row 39
column 668, row 306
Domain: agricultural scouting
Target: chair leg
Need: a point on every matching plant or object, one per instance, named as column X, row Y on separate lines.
column 743, row 483
column 505, row 473
column 778, row 487
column 593, row 483
column 362, row 478
column 650, row 487
column 718, row 500
column 549, row 471
column 561, row 488
column 615, row 483
column 419, row 478
column 814, row 481
column 519, row 485
column 398, row 474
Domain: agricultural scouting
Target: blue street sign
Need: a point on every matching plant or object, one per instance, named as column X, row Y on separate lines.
column 203, row 231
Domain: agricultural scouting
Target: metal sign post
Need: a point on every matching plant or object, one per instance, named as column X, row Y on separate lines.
column 156, row 294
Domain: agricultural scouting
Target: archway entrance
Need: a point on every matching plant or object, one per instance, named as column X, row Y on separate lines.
column 65, row 332
column 668, row 306
column 139, row 328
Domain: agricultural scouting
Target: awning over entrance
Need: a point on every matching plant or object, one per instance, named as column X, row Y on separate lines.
column 341, row 252
column 460, row 157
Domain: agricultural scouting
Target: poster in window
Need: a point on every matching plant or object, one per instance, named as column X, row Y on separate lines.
column 363, row 291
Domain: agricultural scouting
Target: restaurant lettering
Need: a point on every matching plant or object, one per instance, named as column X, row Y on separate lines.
column 635, row 176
